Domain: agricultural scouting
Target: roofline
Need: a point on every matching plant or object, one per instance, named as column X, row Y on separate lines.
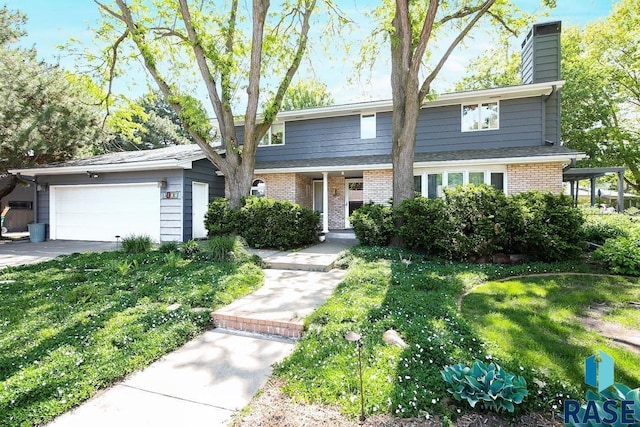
column 109, row 167
column 500, row 93
column 445, row 163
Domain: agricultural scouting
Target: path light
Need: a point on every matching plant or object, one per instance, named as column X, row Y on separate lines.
column 356, row 338
column 117, row 241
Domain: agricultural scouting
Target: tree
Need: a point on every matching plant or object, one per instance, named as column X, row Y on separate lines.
column 43, row 113
column 306, row 94
column 413, row 27
column 174, row 36
column 144, row 124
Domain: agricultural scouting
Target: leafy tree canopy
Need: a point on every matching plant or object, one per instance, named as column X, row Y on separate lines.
column 45, row 113
column 307, row 94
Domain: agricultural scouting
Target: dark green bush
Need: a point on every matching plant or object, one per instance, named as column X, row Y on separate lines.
column 552, row 228
column 621, row 255
column 168, row 247
column 264, row 222
column 136, row 244
column 425, row 225
column 190, row 249
column 280, row 224
column 480, row 217
column 599, row 232
column 220, row 220
column 373, row 224
column 226, row 248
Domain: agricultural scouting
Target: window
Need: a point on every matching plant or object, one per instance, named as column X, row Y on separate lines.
column 434, row 184
column 476, row 178
column 258, row 188
column 417, row 184
column 497, row 180
column 481, row 116
column 367, row 126
column 275, row 135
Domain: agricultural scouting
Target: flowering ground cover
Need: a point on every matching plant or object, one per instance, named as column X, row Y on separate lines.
column 390, row 289
column 71, row 326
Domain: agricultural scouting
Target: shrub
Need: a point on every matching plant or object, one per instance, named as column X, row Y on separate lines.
column 280, row 224
column 490, row 386
column 373, row 224
column 425, row 225
column 172, row 259
column 479, row 215
column 599, row 232
column 190, row 249
column 621, row 255
column 220, row 220
column 168, row 247
column 552, row 228
column 225, row 248
column 135, row 244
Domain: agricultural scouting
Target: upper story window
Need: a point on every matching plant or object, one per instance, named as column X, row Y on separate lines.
column 368, row 126
column 480, row 116
column 275, row 135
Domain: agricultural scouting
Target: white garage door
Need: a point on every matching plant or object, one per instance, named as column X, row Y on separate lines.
column 101, row 212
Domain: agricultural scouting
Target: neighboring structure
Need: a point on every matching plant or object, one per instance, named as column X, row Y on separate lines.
column 162, row 193
column 20, row 203
column 334, row 159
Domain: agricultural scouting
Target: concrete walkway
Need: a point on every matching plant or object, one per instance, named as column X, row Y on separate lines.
column 210, row 378
column 13, row 253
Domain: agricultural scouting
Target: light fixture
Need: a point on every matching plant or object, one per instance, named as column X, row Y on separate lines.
column 93, row 175
column 162, row 184
column 357, row 338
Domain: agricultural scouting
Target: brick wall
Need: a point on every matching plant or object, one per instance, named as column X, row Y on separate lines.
column 377, row 186
column 336, row 202
column 534, row 176
column 288, row 186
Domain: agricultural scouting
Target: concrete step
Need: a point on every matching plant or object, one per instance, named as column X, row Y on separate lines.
column 280, row 306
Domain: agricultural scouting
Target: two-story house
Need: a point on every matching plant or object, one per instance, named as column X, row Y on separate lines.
column 332, row 159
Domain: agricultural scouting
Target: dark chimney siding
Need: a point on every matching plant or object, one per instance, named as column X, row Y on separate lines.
column 541, row 63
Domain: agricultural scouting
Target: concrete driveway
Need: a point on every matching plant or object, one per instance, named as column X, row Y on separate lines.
column 24, row 252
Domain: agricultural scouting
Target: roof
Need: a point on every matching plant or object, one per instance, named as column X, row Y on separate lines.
column 173, row 157
column 533, row 154
column 500, row 93
column 576, row 174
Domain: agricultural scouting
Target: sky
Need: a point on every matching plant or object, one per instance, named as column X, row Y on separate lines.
column 53, row 22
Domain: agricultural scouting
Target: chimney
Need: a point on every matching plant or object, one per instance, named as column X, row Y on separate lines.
column 541, row 63
column 541, row 54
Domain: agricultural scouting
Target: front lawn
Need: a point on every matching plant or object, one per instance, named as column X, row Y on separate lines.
column 389, row 289
column 540, row 321
column 71, row 326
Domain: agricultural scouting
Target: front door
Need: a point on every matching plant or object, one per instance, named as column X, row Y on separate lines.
column 353, row 196
column 200, row 201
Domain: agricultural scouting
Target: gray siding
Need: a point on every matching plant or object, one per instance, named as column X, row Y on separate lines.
column 202, row 171
column 439, row 129
column 170, row 209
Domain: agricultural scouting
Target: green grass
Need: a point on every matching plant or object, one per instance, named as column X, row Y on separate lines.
column 536, row 322
column 419, row 300
column 77, row 324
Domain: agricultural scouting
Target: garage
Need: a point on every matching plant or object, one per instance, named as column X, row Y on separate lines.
column 103, row 211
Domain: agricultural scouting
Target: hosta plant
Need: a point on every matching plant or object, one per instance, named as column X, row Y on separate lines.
column 486, row 386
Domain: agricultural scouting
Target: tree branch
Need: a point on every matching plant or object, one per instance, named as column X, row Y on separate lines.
column 276, row 104
column 425, row 35
column 426, row 85
column 112, row 72
column 503, row 23
column 138, row 39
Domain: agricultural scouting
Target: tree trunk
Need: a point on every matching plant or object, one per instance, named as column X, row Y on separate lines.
column 6, row 190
